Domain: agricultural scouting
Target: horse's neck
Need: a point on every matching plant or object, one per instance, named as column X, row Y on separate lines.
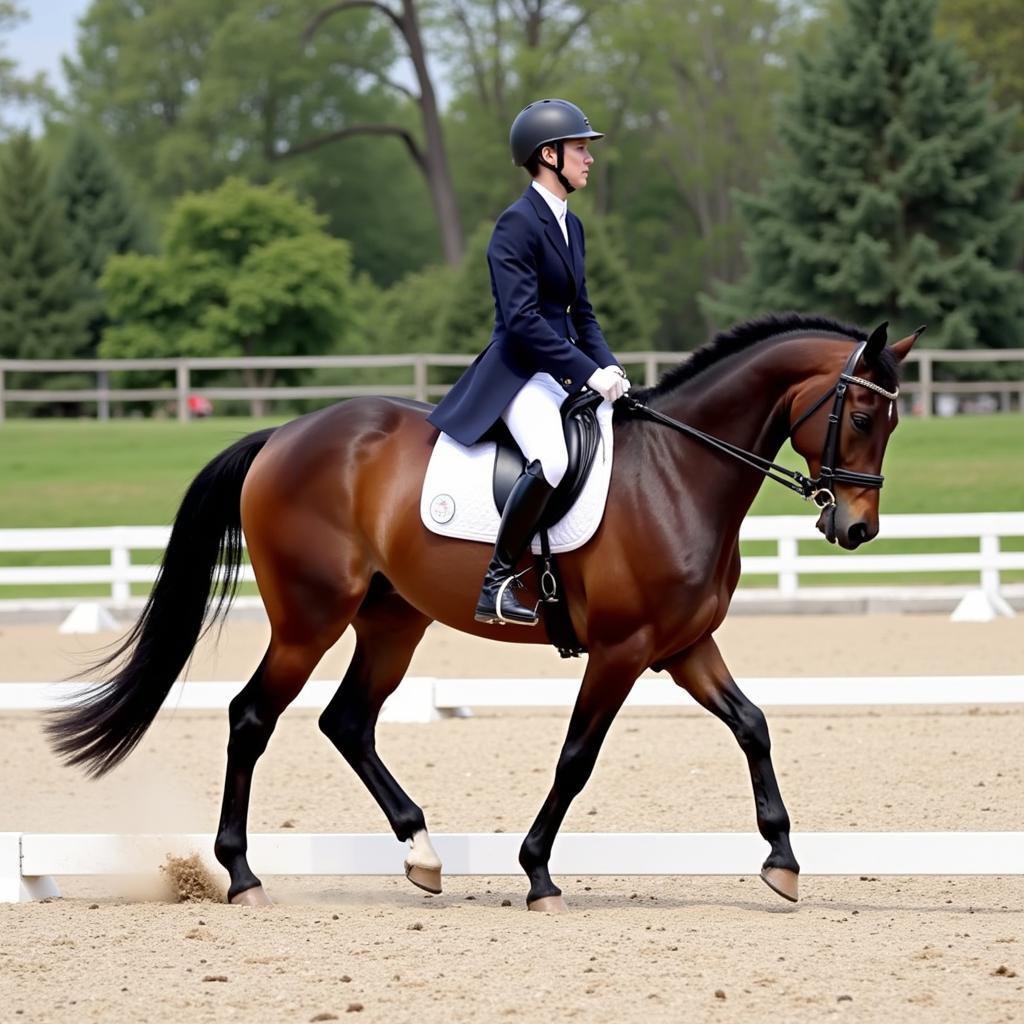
column 743, row 400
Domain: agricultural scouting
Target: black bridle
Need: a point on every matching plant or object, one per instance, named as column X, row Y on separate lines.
column 820, row 489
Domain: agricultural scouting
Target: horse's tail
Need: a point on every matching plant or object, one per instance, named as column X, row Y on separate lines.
column 99, row 729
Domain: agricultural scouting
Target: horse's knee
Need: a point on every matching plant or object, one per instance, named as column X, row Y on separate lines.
column 750, row 728
column 573, row 769
column 347, row 731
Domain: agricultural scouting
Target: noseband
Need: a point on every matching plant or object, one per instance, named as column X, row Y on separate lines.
column 820, row 489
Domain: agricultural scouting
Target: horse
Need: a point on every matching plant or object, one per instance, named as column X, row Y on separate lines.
column 328, row 505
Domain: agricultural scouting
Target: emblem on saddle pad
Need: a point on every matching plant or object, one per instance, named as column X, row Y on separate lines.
column 442, row 508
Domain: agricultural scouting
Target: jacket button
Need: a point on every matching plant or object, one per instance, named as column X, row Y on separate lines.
column 567, row 381
column 568, row 310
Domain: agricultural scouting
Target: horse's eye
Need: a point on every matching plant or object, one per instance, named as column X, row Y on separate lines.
column 861, row 421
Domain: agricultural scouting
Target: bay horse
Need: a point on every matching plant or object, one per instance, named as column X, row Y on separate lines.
column 329, row 508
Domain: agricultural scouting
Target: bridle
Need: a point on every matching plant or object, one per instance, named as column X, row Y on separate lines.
column 819, row 489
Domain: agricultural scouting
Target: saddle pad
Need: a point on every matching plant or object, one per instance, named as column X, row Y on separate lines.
column 457, row 499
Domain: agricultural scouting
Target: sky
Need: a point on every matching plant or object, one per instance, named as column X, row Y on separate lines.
column 39, row 43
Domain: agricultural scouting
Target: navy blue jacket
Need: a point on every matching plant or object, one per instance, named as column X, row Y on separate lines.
column 543, row 320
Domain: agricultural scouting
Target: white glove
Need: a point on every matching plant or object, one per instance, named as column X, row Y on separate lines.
column 610, row 382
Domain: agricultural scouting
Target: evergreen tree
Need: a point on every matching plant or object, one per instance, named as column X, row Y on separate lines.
column 42, row 315
column 102, row 221
column 896, row 198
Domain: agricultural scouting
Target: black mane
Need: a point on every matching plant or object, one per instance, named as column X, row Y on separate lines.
column 744, row 335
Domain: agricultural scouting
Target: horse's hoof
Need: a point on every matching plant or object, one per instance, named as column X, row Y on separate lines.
column 783, row 881
column 427, row 879
column 254, row 897
column 548, row 905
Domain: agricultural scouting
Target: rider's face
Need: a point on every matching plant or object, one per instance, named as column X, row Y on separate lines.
column 578, row 159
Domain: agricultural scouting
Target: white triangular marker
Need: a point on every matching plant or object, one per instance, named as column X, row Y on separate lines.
column 88, row 618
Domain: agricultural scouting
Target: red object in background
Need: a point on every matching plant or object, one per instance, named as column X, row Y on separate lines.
column 199, row 406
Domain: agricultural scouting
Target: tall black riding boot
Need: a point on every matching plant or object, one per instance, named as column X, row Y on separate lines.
column 525, row 506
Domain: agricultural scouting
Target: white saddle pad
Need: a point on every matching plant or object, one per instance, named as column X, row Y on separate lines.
column 458, row 500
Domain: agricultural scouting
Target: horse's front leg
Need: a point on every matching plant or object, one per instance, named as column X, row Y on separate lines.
column 606, row 684
column 702, row 673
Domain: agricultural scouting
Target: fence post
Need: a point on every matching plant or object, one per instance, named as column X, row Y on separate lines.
column 650, row 371
column 788, row 551
column 2, row 404
column 182, row 383
column 103, row 402
column 989, row 547
column 926, row 382
column 419, row 373
column 120, row 562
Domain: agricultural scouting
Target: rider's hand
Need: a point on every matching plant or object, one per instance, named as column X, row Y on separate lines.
column 610, row 382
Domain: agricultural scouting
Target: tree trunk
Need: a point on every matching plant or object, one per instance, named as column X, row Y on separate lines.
column 434, row 160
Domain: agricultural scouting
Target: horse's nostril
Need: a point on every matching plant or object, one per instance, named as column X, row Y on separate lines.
column 859, row 533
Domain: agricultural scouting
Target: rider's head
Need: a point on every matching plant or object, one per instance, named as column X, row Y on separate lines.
column 550, row 138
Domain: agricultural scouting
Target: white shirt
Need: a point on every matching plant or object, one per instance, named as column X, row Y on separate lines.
column 559, row 207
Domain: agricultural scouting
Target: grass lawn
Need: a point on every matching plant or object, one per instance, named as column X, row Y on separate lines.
column 133, row 472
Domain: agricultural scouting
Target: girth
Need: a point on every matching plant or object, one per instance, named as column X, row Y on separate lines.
column 582, row 439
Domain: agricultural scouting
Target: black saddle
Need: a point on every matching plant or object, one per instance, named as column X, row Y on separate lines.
column 582, row 439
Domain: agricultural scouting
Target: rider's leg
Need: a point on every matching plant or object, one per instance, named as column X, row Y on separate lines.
column 534, row 420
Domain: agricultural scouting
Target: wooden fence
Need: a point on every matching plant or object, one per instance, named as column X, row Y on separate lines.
column 924, row 395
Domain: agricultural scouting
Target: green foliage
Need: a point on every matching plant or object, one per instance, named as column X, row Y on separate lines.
column 236, row 90
column 991, row 32
column 468, row 316
column 896, row 197
column 246, row 270
column 102, row 221
column 42, row 312
column 627, row 317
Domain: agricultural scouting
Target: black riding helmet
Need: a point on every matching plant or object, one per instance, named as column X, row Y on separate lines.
column 544, row 122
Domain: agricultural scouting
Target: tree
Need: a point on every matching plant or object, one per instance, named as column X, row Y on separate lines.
column 991, row 33
column 42, row 315
column 234, row 90
column 895, row 198
column 102, row 220
column 246, row 270
column 432, row 157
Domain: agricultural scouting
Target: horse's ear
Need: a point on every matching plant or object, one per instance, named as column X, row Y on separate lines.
column 877, row 341
column 901, row 348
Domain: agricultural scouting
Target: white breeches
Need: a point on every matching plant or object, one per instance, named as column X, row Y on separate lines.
column 534, row 419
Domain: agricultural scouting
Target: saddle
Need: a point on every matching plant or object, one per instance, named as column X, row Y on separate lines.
column 582, row 440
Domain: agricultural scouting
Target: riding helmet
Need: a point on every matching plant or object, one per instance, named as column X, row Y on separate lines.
column 547, row 121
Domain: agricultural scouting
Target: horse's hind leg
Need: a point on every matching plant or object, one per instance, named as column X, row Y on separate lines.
column 702, row 672
column 387, row 632
column 252, row 715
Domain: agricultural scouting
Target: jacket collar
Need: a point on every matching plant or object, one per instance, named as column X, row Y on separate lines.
column 553, row 231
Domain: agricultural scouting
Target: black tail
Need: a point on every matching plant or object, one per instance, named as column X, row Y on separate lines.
column 101, row 728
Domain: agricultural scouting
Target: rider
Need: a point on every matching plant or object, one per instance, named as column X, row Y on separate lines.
column 546, row 342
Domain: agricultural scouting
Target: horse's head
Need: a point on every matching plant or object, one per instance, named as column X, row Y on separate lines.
column 842, row 433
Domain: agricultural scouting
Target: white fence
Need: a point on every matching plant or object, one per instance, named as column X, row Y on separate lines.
column 982, row 536
column 425, row 699
column 29, row 860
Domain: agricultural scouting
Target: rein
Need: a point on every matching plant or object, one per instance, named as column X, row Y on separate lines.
column 820, row 489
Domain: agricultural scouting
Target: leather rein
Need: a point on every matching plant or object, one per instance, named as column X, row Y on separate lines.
column 820, row 489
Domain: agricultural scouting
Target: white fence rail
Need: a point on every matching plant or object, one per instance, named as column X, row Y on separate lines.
column 982, row 535
column 29, row 860
column 425, row 699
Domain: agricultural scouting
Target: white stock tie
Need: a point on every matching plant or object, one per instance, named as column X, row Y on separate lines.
column 562, row 225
